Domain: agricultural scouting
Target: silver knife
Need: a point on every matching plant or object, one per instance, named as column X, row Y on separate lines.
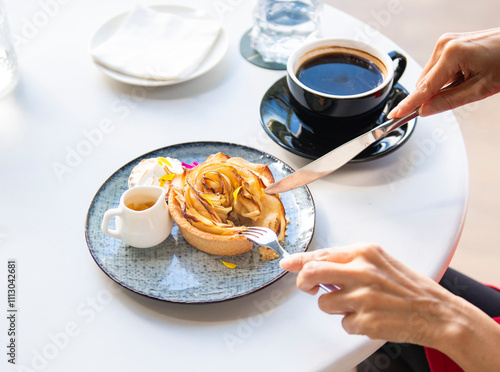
column 341, row 155
column 336, row 158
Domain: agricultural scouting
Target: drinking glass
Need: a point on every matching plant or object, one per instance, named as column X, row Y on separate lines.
column 280, row 26
column 8, row 59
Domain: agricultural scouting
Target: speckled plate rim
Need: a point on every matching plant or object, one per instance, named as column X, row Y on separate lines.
column 122, row 283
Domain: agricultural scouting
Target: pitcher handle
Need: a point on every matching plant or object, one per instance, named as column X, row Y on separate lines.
column 107, row 219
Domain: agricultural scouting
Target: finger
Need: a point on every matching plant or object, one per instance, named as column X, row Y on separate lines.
column 441, row 69
column 390, row 326
column 470, row 91
column 334, row 303
column 296, row 261
column 367, row 324
column 315, row 273
column 351, row 324
column 437, row 53
column 427, row 87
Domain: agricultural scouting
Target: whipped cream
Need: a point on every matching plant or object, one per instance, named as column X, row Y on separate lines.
column 155, row 172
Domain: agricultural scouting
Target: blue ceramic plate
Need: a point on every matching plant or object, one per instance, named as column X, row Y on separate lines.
column 175, row 271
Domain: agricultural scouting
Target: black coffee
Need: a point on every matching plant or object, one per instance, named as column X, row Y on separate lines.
column 340, row 74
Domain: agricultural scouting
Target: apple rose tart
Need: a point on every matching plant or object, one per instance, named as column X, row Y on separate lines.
column 218, row 198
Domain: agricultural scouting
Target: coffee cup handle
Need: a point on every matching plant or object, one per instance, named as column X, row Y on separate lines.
column 107, row 219
column 400, row 68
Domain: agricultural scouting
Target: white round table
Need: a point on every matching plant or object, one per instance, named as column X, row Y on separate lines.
column 72, row 317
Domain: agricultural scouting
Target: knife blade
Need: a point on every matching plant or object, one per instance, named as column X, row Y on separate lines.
column 336, row 158
column 341, row 155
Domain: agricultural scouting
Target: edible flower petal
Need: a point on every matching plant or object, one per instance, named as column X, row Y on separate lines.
column 164, row 161
column 207, row 198
column 190, row 166
column 228, row 264
column 167, row 177
column 235, row 193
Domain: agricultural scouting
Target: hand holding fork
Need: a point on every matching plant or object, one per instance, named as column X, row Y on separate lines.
column 266, row 237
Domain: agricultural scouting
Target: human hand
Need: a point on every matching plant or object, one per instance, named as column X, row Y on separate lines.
column 475, row 54
column 382, row 298
column 379, row 297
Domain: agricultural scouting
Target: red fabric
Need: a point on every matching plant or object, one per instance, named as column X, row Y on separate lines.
column 439, row 362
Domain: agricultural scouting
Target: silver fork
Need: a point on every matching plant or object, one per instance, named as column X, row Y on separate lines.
column 267, row 238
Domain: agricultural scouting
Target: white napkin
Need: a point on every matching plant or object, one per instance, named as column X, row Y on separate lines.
column 156, row 45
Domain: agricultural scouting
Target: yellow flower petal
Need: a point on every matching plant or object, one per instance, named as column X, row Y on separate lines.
column 167, row 177
column 207, row 199
column 228, row 264
column 235, row 193
column 164, row 161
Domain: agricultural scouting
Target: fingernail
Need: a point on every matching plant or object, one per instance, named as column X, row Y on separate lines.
column 392, row 113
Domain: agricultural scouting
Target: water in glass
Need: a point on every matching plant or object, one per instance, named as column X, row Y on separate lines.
column 280, row 26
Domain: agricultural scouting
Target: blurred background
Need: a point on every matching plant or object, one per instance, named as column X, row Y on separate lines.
column 415, row 28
